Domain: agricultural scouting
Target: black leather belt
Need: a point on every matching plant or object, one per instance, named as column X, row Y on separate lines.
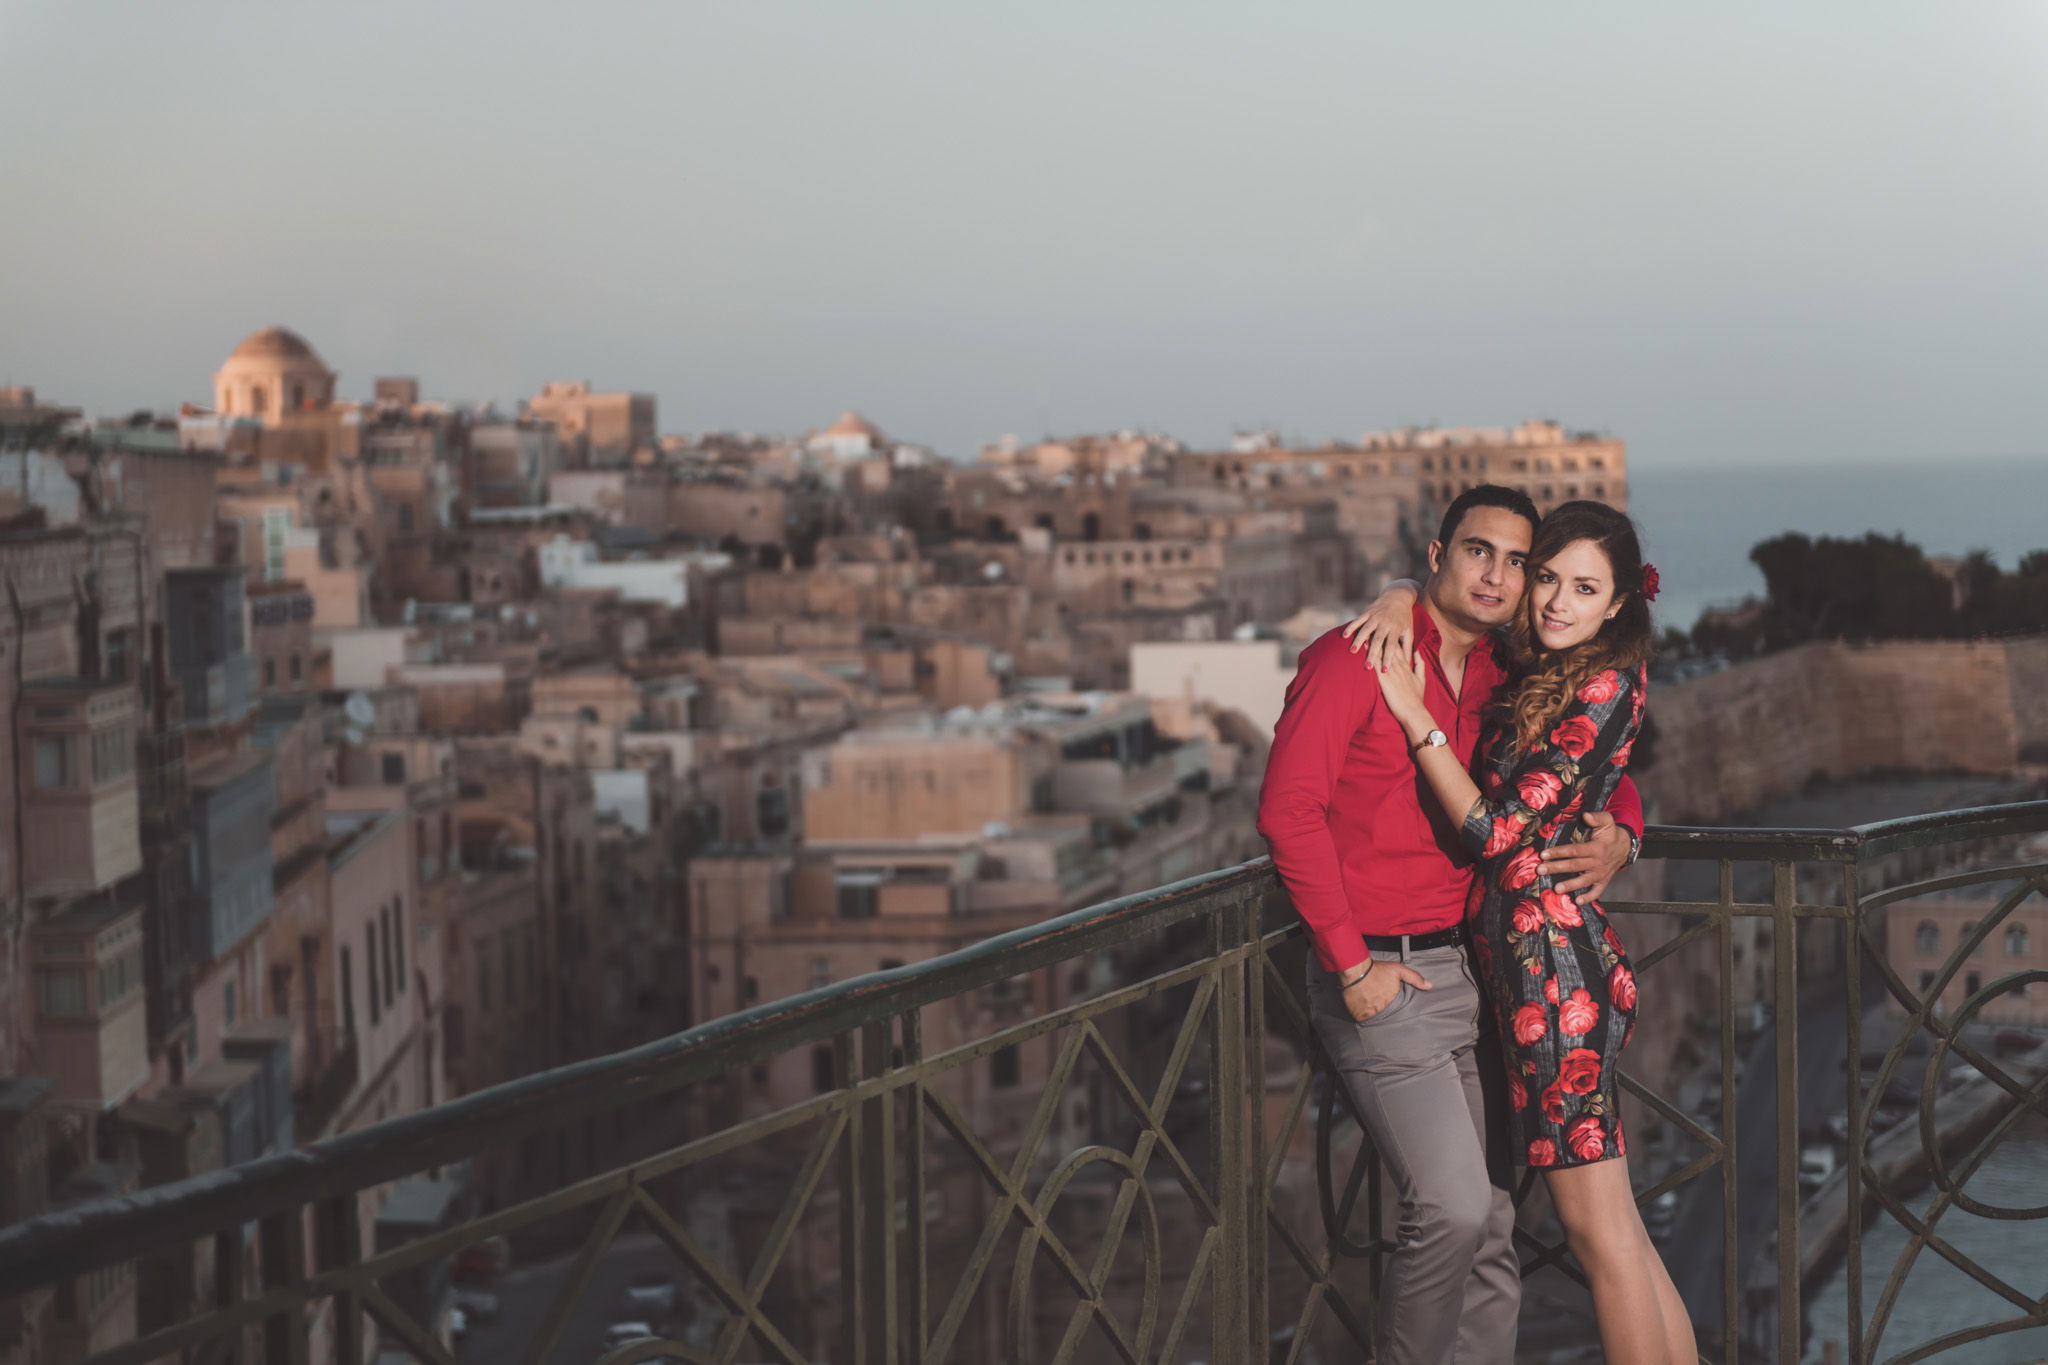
column 1415, row 943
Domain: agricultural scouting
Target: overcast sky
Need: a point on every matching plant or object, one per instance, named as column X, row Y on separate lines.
column 1729, row 233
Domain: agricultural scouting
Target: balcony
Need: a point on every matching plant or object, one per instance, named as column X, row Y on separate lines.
column 81, row 832
column 1152, row 1172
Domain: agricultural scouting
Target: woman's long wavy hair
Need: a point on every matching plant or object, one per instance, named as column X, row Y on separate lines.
column 1548, row 678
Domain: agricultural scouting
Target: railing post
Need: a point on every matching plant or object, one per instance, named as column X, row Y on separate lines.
column 918, row 1309
column 283, row 1244
column 1230, row 1330
column 853, row 1280
column 877, row 1176
column 340, row 1240
column 1785, row 990
column 1852, row 966
column 1731, row 1135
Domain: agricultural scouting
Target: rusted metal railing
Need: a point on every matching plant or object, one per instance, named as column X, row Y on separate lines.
column 1167, row 1179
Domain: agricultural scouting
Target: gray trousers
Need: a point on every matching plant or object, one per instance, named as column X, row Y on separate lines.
column 1426, row 1078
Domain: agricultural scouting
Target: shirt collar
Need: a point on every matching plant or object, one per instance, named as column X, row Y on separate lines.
column 1428, row 637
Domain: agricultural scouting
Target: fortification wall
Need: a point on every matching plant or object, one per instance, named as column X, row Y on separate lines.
column 1760, row 730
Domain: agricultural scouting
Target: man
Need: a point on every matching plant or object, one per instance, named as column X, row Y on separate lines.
column 1378, row 875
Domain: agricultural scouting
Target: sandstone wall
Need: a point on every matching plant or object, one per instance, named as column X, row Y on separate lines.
column 1752, row 733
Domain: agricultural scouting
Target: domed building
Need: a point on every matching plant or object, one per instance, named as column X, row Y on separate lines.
column 272, row 373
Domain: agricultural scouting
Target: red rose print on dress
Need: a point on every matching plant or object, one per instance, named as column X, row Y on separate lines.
column 1521, row 870
column 1621, row 987
column 1518, row 1094
column 1575, row 736
column 1542, row 1152
column 1613, row 939
column 1572, row 807
column 1579, row 1072
column 1620, row 1146
column 1550, row 990
column 1553, row 1104
column 1539, row 788
column 1562, row 909
column 1620, row 759
column 1587, row 1141
column 1579, row 1013
column 1600, row 687
column 1530, row 1023
column 1506, row 830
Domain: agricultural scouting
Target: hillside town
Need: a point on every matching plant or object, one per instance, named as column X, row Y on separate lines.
column 369, row 752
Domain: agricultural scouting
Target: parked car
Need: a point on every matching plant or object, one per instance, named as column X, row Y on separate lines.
column 2014, row 1040
column 1816, row 1164
column 1661, row 1214
column 652, row 1293
column 619, row 1333
column 478, row 1305
column 480, row 1261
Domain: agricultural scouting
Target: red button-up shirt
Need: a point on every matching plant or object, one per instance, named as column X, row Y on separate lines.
column 1356, row 835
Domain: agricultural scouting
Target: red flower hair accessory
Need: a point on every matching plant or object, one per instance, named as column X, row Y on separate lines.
column 1650, row 581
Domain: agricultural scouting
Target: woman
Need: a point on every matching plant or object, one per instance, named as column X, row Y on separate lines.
column 1562, row 986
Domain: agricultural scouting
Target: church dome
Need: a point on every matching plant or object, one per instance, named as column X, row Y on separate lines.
column 272, row 374
column 274, row 343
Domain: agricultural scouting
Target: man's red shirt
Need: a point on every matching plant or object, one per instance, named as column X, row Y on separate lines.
column 1356, row 835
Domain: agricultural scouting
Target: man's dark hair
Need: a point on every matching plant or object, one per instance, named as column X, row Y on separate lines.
column 1485, row 495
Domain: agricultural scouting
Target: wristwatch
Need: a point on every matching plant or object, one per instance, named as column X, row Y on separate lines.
column 1435, row 739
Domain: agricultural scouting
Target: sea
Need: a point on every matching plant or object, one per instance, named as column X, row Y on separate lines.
column 1938, row 1297
column 1698, row 524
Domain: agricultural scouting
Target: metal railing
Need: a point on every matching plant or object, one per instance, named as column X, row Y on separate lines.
column 1181, row 1032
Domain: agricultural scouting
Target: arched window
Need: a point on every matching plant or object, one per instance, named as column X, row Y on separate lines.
column 1927, row 938
column 2015, row 940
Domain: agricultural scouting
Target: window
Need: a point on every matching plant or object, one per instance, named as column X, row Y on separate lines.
column 348, row 996
column 771, row 812
column 1927, row 938
column 114, row 656
column 1004, row 1067
column 2015, row 940
column 371, row 960
column 1926, row 982
column 269, row 671
column 858, row 900
column 821, row 1069
column 750, row 991
column 53, row 762
column 398, row 939
column 256, row 397
column 1972, row 983
column 276, row 522
column 64, row 993
column 821, row 972
column 113, row 754
column 120, row 977
column 483, row 976
column 405, row 517
column 298, row 666
column 394, row 769
column 227, row 1002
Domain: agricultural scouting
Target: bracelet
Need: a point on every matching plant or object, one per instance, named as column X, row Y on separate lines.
column 1370, row 963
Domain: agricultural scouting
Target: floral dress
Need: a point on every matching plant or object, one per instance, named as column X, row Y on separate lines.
column 1560, row 981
